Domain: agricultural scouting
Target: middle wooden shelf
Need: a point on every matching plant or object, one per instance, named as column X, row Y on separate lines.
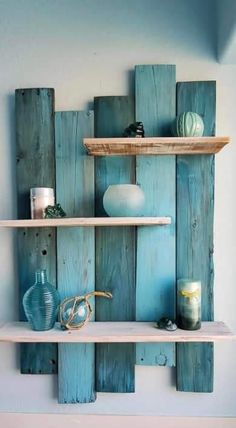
column 114, row 332
column 88, row 222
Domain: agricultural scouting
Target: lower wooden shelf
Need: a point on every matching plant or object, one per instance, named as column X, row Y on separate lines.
column 105, row 332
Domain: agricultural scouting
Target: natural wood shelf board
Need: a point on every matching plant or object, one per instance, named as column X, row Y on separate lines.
column 88, row 222
column 155, row 145
column 106, row 332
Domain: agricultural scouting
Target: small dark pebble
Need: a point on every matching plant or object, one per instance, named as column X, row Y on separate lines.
column 166, row 324
column 135, row 129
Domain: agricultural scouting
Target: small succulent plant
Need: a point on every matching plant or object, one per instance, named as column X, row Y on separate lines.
column 54, row 211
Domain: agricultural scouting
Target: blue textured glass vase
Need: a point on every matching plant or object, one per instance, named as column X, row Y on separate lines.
column 41, row 303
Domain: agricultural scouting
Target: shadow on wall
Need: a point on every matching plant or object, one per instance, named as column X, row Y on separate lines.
column 226, row 34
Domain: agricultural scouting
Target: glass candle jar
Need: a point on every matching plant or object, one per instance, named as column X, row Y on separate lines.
column 189, row 304
column 40, row 198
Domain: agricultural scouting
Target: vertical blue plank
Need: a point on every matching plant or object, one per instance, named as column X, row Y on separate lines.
column 195, row 210
column 75, row 247
column 156, row 265
column 115, row 251
column 35, row 168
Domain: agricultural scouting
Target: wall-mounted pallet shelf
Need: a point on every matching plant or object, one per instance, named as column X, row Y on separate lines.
column 88, row 222
column 139, row 265
column 155, row 145
column 114, row 332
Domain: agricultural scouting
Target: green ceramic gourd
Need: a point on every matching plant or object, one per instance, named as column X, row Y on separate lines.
column 188, row 124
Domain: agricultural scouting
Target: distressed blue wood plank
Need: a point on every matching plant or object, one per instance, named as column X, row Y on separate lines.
column 156, row 266
column 195, row 209
column 35, row 168
column 75, row 247
column 115, row 251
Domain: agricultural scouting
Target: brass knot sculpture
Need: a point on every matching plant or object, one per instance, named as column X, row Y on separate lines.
column 76, row 311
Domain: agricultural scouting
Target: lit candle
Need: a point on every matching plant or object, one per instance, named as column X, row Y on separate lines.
column 189, row 304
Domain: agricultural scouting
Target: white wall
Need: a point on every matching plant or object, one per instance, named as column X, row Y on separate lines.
column 84, row 48
column 12, row 420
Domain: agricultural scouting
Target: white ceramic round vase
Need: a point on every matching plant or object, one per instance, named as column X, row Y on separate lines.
column 123, row 200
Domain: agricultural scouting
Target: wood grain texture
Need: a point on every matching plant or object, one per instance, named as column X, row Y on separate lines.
column 195, row 209
column 35, row 168
column 155, row 146
column 88, row 222
column 114, row 332
column 75, row 247
column 115, row 251
column 155, row 271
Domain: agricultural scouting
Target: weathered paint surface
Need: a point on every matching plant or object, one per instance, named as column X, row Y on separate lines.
column 115, row 251
column 75, row 247
column 156, row 265
column 35, row 168
column 195, row 210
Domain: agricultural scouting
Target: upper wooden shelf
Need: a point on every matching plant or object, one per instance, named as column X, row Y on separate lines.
column 155, row 145
column 117, row 332
column 88, row 222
